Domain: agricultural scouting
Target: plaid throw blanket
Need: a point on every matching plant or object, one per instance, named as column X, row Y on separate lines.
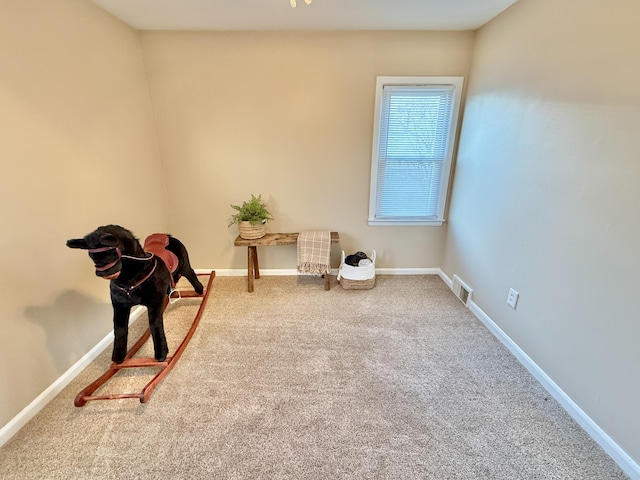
column 314, row 249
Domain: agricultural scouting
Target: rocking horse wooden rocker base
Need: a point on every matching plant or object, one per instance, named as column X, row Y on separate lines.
column 87, row 394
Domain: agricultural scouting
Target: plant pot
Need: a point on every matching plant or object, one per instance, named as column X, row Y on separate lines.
column 251, row 232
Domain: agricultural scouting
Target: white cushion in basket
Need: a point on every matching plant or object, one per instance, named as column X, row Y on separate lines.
column 366, row 272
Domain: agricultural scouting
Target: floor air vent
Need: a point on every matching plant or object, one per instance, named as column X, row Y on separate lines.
column 461, row 290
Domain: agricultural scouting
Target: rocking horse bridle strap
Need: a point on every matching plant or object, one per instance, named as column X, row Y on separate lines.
column 106, row 249
column 131, row 288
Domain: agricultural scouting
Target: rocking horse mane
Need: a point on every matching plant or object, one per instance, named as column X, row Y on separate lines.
column 129, row 244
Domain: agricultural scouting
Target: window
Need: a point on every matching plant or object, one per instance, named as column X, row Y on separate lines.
column 413, row 134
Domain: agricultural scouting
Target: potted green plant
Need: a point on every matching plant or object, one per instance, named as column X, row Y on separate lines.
column 251, row 218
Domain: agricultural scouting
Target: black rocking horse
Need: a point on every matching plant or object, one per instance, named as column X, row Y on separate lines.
column 138, row 277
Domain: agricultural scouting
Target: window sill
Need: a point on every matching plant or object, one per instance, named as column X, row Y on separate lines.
column 373, row 222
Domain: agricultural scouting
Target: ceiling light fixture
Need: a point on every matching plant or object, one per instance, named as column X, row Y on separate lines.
column 293, row 3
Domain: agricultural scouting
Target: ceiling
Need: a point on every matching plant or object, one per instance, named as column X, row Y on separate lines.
column 319, row 15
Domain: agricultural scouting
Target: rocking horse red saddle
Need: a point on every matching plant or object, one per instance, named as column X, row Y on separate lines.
column 156, row 244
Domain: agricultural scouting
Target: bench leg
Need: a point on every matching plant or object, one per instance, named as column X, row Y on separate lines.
column 327, row 280
column 256, row 268
column 250, row 262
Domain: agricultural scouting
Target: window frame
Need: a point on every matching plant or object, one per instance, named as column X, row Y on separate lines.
column 427, row 81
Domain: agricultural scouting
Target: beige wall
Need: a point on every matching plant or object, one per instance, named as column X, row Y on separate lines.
column 78, row 150
column 288, row 116
column 546, row 196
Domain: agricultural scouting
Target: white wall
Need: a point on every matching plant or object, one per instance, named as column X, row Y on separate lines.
column 78, row 150
column 546, row 196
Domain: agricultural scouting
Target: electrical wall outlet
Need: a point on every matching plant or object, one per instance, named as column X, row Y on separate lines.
column 512, row 299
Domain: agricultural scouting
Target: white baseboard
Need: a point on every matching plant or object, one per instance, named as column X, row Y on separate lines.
column 445, row 279
column 242, row 272
column 618, row 455
column 407, row 271
column 27, row 413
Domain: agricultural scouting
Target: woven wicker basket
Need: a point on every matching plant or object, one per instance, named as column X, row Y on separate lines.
column 357, row 284
column 251, row 232
column 357, row 278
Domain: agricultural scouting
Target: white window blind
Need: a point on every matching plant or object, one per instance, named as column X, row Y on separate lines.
column 412, row 152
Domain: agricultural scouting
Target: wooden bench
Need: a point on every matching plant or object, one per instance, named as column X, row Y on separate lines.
column 270, row 240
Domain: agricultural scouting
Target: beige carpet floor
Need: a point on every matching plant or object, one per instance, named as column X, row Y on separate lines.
column 294, row 382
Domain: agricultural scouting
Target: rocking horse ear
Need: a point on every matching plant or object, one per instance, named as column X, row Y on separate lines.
column 77, row 243
column 109, row 240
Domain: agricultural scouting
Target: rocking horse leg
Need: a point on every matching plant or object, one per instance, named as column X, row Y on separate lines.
column 193, row 280
column 156, row 325
column 121, row 331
